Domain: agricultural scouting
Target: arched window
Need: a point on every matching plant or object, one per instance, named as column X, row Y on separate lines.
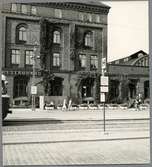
column 88, row 39
column 21, row 33
column 56, row 37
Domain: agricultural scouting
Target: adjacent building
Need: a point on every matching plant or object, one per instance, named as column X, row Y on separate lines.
column 129, row 77
column 68, row 39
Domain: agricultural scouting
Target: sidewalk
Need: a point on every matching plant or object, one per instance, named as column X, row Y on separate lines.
column 88, row 115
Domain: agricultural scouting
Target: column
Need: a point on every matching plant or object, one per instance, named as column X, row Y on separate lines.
column 120, row 90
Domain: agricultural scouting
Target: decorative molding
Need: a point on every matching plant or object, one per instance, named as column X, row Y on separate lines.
column 77, row 6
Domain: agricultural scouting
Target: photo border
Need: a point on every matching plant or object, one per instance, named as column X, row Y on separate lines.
column 150, row 79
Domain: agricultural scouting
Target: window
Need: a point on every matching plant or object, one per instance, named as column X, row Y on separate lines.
column 14, row 7
column 81, row 16
column 29, row 57
column 33, row 10
column 89, row 17
column 94, row 63
column 126, row 59
column 24, row 9
column 56, row 59
column 117, row 62
column 146, row 62
column 58, row 13
column 89, row 40
column 21, row 33
column 97, row 18
column 56, row 37
column 15, row 56
column 83, row 61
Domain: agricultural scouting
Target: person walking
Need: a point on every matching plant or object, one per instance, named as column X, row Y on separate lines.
column 64, row 105
column 69, row 105
column 138, row 102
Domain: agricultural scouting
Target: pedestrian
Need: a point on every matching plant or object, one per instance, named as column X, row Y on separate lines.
column 69, row 105
column 64, row 105
column 138, row 101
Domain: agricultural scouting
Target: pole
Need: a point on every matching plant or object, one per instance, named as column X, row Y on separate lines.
column 104, row 117
column 33, row 79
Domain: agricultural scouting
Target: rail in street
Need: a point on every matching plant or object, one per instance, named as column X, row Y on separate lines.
column 67, row 138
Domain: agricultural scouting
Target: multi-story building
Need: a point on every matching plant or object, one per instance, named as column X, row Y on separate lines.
column 69, row 39
column 129, row 77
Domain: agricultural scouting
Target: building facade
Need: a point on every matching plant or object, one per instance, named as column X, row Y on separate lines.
column 68, row 39
column 129, row 77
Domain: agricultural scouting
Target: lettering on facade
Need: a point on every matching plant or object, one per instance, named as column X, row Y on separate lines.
column 21, row 73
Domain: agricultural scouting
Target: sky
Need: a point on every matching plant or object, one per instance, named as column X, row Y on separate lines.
column 128, row 28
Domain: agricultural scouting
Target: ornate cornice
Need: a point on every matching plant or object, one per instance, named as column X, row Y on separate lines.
column 77, row 7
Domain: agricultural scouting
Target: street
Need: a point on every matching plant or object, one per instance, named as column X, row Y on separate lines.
column 76, row 137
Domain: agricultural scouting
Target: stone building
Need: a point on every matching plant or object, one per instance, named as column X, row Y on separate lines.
column 129, row 76
column 68, row 39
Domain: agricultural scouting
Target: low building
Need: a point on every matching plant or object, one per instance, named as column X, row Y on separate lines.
column 129, row 77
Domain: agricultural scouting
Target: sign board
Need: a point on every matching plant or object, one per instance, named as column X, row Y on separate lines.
column 104, row 81
column 103, row 63
column 102, row 97
column 104, row 89
column 33, row 90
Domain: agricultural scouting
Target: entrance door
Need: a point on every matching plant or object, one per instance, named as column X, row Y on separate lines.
column 87, row 87
column 56, row 87
column 146, row 89
column 132, row 89
column 20, row 86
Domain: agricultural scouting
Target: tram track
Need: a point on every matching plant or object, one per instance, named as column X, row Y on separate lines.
column 136, row 124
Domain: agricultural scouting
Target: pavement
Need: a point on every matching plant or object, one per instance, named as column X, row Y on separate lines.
column 38, row 114
column 76, row 146
column 92, row 130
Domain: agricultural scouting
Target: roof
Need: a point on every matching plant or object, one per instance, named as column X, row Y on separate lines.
column 131, row 58
column 96, row 3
